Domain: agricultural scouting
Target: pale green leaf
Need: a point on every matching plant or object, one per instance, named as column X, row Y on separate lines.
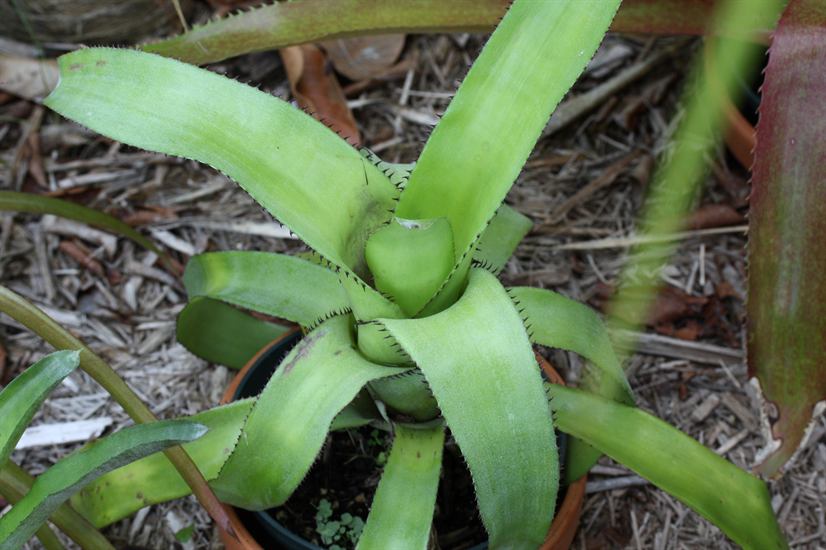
column 299, row 170
column 732, row 499
column 409, row 260
column 407, row 394
column 559, row 322
column 153, row 479
column 480, row 366
column 24, row 395
column 500, row 238
column 481, row 143
column 276, row 284
column 402, row 508
column 59, row 482
column 289, row 422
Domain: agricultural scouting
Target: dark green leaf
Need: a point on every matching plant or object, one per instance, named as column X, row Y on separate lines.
column 23, row 396
column 222, row 334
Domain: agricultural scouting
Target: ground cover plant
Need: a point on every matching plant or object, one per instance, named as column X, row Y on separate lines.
column 204, row 279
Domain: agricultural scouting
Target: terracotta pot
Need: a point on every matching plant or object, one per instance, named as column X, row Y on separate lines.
column 562, row 530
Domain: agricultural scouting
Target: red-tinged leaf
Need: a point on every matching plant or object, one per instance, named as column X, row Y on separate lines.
column 283, row 24
column 787, row 256
column 316, row 89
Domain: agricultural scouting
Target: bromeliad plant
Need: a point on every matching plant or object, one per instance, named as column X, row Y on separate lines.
column 400, row 301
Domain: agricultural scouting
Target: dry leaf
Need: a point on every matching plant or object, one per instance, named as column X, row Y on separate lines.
column 364, row 57
column 26, row 77
column 714, row 215
column 316, row 89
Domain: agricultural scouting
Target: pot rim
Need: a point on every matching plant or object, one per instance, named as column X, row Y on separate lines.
column 566, row 518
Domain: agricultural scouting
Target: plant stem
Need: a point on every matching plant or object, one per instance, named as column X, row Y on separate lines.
column 15, row 483
column 44, row 326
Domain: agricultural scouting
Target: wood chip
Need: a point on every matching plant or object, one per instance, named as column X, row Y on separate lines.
column 704, row 409
column 63, row 433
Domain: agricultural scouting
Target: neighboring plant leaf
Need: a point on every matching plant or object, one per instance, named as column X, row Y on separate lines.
column 153, row 479
column 559, row 322
column 222, row 334
column 299, row 170
column 500, row 238
column 787, row 256
column 732, row 499
column 15, row 483
column 477, row 150
column 26, row 77
column 14, row 201
column 480, row 366
column 402, row 509
column 317, row 90
column 283, row 286
column 24, row 395
column 48, row 538
column 290, row 420
column 364, row 57
column 283, row 24
column 58, row 483
column 27, row 314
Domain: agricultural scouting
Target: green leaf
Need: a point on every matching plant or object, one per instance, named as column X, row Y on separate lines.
column 295, row 167
column 375, row 344
column 787, row 259
column 402, row 508
column 13, row 201
column 24, row 395
column 407, row 394
column 559, row 322
column 367, row 302
column 500, row 238
column 276, row 284
column 480, row 366
column 479, row 147
column 59, row 482
column 409, row 259
column 289, row 422
column 153, row 479
column 222, row 334
column 732, row 499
